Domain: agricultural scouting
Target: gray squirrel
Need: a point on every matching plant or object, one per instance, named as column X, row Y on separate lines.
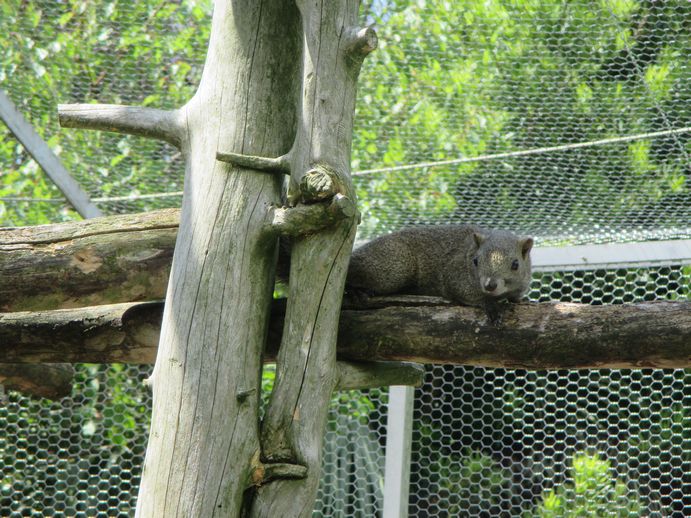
column 462, row 263
column 466, row 264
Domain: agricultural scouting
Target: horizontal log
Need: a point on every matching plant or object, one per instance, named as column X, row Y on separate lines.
column 530, row 336
column 361, row 375
column 96, row 261
column 87, row 263
column 50, row 380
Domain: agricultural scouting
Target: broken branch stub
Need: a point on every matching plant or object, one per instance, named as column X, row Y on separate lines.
column 321, row 183
column 279, row 165
column 303, row 220
column 164, row 125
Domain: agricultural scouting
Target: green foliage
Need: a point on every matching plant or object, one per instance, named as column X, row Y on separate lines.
column 466, row 78
column 77, row 51
column 591, row 491
column 460, row 78
column 473, row 484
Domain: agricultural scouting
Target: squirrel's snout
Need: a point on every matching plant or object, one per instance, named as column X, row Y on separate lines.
column 494, row 287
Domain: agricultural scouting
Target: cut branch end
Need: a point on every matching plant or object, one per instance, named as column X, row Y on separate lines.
column 303, row 220
column 362, row 41
column 364, row 375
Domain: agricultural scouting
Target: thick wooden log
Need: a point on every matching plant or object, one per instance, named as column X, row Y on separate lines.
column 87, row 263
column 50, row 380
column 531, row 336
column 96, row 261
column 72, row 264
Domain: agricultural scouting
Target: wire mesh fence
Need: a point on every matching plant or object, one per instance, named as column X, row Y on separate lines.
column 500, row 442
column 566, row 119
column 486, row 442
column 569, row 120
column 83, row 455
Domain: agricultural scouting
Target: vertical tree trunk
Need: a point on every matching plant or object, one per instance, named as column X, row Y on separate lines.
column 206, row 383
column 253, row 118
column 295, row 420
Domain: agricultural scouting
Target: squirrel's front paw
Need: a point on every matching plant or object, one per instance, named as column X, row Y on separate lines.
column 494, row 310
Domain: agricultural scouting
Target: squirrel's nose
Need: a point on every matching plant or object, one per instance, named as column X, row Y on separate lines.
column 490, row 285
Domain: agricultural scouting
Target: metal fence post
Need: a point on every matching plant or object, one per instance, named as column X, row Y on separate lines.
column 399, row 427
column 45, row 158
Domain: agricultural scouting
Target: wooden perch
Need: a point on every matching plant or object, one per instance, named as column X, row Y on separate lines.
column 96, row 261
column 52, row 380
column 132, row 120
column 532, row 336
column 84, row 263
column 125, row 258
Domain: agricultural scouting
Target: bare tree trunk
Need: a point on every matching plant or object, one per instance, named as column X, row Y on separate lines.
column 204, row 442
column 204, row 449
column 293, row 428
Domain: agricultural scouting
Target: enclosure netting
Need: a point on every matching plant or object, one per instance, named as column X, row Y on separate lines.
column 568, row 120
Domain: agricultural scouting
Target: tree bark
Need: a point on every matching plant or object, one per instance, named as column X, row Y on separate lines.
column 87, row 263
column 51, row 380
column 204, row 433
column 319, row 162
column 531, row 336
column 204, row 440
column 236, row 136
column 90, row 262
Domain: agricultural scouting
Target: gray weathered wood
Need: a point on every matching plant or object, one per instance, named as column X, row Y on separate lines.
column 532, row 336
column 167, row 125
column 203, row 434
column 295, row 418
column 306, row 219
column 45, row 157
column 361, row 375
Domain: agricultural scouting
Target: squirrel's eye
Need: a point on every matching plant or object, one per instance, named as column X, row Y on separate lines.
column 514, row 265
column 475, row 261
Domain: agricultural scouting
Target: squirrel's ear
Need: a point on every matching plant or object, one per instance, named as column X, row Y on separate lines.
column 526, row 246
column 479, row 238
